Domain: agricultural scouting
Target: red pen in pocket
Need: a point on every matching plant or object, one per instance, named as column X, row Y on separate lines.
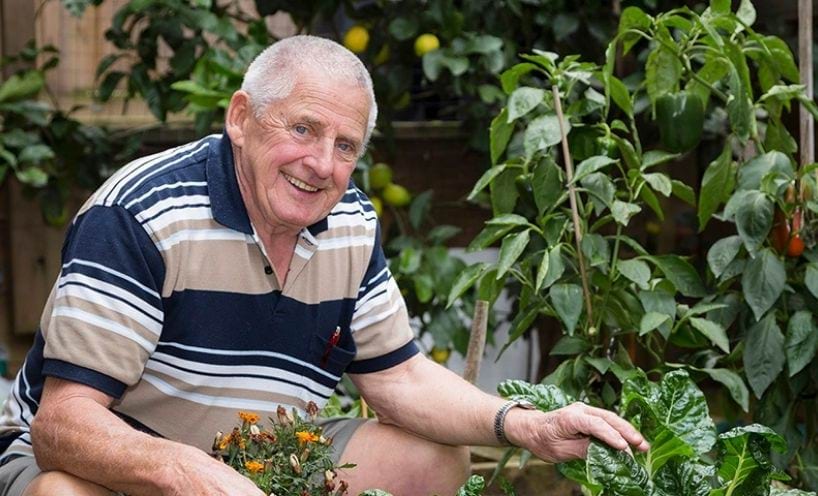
column 332, row 343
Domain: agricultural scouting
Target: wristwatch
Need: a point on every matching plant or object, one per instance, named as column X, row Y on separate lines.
column 500, row 418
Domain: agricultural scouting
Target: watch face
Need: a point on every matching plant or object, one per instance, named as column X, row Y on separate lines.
column 526, row 404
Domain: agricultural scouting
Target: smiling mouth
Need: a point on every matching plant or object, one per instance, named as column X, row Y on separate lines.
column 299, row 184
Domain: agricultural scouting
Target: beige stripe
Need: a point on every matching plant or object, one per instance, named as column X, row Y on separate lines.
column 107, row 313
column 230, row 266
column 385, row 336
column 45, row 317
column 351, row 231
column 98, row 349
column 183, row 224
column 331, row 275
column 186, row 421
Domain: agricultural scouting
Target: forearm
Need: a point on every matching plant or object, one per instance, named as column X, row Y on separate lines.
column 433, row 402
column 78, row 435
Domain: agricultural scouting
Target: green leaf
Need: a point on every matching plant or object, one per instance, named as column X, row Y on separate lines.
column 487, row 236
column 473, row 487
column 683, row 192
column 419, row 209
column 508, row 220
column 622, row 211
column 432, row 63
column 510, row 250
column 620, row 95
column 720, row 6
column 722, row 253
column 503, row 192
column 662, row 303
column 744, row 465
column 550, row 271
column 734, row 384
column 521, row 323
column 18, row 87
column 746, row 13
column 653, row 158
column 659, row 182
column 680, row 477
column 522, row 101
column 36, row 154
column 486, row 179
column 801, row 342
column 751, row 174
column 567, row 301
column 616, row 471
column 403, row 28
column 636, row 271
column 717, row 186
column 632, row 18
column 662, row 72
column 754, row 218
column 781, row 57
column 740, row 107
column 601, row 190
column 570, row 345
column 681, row 274
column 542, row 133
column 546, row 397
column 595, row 248
column 592, row 164
column 465, row 280
column 510, row 78
column 713, row 70
column 33, row 176
column 500, row 133
column 764, row 354
column 811, row 278
column 651, row 321
column 547, row 184
column 763, row 281
column 712, row 331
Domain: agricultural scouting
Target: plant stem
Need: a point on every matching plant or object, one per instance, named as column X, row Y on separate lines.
column 572, row 196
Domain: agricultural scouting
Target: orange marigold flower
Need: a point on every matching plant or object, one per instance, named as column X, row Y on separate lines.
column 249, row 417
column 306, row 437
column 254, row 466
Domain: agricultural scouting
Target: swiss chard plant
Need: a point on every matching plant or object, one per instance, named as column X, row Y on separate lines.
column 686, row 456
column 570, row 239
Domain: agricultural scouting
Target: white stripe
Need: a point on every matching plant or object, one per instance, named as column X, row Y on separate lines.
column 346, row 242
column 178, row 215
column 225, row 370
column 303, row 252
column 107, row 324
column 233, row 382
column 153, row 173
column 308, row 236
column 175, row 201
column 381, row 295
column 356, row 219
column 109, row 288
column 120, row 177
column 113, row 304
column 360, row 323
column 215, row 351
column 118, row 274
column 378, row 276
column 199, row 235
column 27, row 391
column 180, row 184
column 221, row 401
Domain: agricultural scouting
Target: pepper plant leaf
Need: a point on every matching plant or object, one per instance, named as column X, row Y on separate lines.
column 548, row 185
column 712, row 331
column 499, row 135
column 764, row 354
column 567, row 301
column 543, row 132
column 510, row 250
column 763, row 281
column 522, row 101
column 550, row 271
column 636, row 271
column 717, row 186
column 722, row 253
column 734, row 384
column 681, row 274
column 801, row 341
column 465, row 280
column 811, row 278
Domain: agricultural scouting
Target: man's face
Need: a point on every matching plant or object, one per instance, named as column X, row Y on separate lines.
column 294, row 162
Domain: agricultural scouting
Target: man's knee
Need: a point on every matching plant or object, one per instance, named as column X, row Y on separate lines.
column 62, row 483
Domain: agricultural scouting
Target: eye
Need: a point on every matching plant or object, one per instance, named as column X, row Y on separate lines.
column 301, row 129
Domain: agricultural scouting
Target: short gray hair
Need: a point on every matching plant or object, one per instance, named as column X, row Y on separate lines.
column 273, row 73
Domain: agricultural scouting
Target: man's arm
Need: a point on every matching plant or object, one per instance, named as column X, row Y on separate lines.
column 75, row 432
column 433, row 402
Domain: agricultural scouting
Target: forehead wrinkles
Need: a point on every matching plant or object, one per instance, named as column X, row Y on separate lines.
column 326, row 110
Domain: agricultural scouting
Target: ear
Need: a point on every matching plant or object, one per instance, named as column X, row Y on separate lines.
column 237, row 117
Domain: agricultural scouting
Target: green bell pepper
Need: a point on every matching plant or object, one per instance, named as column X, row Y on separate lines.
column 680, row 117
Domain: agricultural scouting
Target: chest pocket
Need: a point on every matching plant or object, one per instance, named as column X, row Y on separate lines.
column 332, row 354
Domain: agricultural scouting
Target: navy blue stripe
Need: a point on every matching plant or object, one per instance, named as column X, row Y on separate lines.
column 175, row 207
column 82, row 375
column 115, row 297
column 5, row 442
column 104, row 276
column 384, row 362
column 249, row 376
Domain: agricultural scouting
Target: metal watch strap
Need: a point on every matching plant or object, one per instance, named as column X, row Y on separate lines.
column 500, row 418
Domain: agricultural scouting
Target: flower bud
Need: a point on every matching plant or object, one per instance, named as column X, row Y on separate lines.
column 295, row 464
column 254, row 430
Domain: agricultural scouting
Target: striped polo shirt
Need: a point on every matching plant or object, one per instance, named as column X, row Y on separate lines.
column 166, row 302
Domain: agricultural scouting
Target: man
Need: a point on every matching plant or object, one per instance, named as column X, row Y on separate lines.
column 245, row 271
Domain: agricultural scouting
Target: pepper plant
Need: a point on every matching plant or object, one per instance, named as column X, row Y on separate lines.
column 583, row 264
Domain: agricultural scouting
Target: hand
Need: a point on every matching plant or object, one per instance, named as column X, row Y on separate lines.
column 565, row 434
column 197, row 474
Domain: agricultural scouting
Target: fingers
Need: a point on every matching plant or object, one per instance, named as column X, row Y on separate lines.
column 605, row 426
column 622, row 426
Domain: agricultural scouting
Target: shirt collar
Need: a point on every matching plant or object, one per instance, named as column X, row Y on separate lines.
column 225, row 196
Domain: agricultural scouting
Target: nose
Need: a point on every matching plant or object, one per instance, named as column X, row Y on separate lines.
column 320, row 160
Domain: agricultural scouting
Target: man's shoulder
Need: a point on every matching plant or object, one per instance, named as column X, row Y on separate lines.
column 176, row 172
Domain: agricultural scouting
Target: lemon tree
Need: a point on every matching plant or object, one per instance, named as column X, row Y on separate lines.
column 426, row 43
column 356, row 39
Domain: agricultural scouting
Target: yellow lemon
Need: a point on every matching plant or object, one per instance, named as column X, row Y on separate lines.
column 356, row 39
column 377, row 204
column 396, row 195
column 426, row 43
column 379, row 175
column 440, row 355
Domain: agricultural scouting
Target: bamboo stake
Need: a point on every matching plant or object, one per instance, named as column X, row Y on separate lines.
column 572, row 196
column 807, row 124
column 477, row 341
column 364, row 409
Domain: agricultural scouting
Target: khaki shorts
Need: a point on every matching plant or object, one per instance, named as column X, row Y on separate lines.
column 17, row 473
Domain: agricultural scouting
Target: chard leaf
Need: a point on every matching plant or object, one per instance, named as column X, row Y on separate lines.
column 546, row 397
column 744, row 461
column 617, row 471
column 683, row 478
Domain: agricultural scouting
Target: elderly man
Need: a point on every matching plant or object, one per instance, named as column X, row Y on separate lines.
column 245, row 271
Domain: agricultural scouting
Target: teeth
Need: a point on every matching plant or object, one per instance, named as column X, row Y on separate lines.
column 299, row 184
